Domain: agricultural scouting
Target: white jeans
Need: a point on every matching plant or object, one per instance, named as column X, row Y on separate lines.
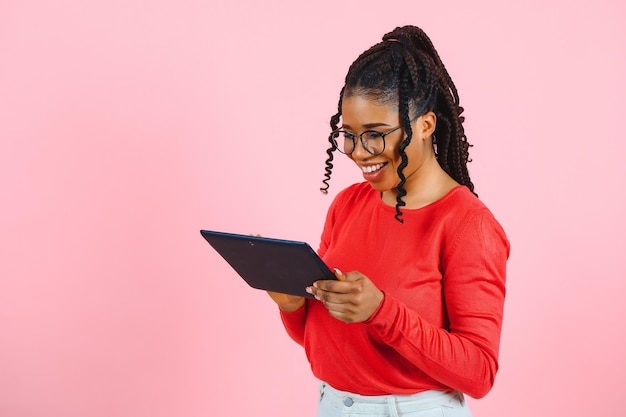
column 335, row 403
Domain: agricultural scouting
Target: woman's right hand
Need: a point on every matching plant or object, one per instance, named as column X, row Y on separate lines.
column 287, row 303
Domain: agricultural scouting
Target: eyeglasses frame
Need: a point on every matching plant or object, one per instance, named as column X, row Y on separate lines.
column 382, row 135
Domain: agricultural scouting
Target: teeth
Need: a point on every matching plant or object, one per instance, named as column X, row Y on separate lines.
column 372, row 168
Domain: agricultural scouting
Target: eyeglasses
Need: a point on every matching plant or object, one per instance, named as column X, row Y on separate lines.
column 372, row 141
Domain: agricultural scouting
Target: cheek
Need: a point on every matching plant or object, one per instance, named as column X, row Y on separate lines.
column 415, row 151
column 393, row 155
column 392, row 150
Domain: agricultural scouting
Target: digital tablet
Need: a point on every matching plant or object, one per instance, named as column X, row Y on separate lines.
column 284, row 266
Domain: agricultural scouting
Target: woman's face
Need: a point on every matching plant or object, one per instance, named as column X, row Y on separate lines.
column 359, row 114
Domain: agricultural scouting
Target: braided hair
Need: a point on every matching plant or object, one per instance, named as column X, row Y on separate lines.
column 405, row 70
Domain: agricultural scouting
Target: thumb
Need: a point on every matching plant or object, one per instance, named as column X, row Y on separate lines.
column 340, row 275
column 349, row 276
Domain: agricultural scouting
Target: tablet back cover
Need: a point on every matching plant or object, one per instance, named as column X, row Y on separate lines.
column 283, row 266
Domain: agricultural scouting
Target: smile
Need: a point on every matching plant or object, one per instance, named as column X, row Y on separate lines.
column 372, row 168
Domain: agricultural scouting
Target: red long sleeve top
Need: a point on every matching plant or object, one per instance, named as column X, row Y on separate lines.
column 442, row 273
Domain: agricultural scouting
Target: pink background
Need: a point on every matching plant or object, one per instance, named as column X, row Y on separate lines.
column 128, row 125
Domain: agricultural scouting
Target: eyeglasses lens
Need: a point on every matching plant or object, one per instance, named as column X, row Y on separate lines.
column 371, row 140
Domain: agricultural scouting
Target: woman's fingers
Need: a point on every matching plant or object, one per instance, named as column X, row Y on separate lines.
column 352, row 298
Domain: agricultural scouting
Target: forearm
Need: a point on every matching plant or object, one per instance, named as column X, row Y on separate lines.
column 464, row 362
column 294, row 323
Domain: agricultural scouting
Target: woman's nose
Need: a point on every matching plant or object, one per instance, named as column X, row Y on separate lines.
column 359, row 151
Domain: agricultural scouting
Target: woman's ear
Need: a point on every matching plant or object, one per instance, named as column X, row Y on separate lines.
column 426, row 124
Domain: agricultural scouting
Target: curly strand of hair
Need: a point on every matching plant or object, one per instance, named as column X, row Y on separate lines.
column 405, row 121
column 328, row 169
column 334, row 120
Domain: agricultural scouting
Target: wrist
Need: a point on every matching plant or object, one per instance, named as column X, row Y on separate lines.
column 292, row 307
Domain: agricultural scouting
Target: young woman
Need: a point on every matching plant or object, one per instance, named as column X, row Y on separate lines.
column 413, row 320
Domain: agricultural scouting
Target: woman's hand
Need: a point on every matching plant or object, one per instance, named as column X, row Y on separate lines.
column 352, row 299
column 287, row 303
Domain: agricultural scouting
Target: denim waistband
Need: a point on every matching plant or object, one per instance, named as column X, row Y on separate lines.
column 391, row 404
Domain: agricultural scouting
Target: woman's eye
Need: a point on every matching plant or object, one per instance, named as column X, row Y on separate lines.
column 371, row 135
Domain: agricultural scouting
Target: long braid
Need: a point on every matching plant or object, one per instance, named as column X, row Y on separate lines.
column 334, row 122
column 454, row 162
column 405, row 121
column 406, row 69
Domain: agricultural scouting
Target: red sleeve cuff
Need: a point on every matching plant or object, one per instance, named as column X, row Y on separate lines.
column 382, row 306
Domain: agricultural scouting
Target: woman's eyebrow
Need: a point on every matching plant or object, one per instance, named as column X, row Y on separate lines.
column 366, row 126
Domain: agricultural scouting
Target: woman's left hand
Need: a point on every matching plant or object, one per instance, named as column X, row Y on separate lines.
column 353, row 298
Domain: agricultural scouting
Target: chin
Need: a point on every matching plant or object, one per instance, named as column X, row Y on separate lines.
column 380, row 187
